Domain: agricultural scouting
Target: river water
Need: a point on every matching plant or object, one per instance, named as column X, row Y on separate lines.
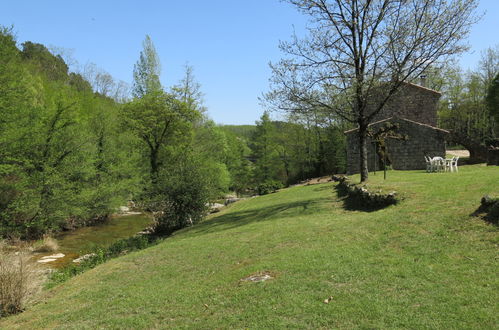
column 86, row 239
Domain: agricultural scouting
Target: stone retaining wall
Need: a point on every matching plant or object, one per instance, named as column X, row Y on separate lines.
column 366, row 197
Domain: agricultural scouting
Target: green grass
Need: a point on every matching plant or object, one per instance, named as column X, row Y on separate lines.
column 424, row 263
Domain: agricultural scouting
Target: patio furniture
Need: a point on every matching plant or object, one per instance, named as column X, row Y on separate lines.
column 453, row 164
column 429, row 166
column 438, row 164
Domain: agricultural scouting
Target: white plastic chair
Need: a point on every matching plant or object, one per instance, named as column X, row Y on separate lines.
column 453, row 164
column 429, row 166
column 438, row 163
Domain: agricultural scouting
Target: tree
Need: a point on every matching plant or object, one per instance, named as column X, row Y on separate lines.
column 465, row 105
column 158, row 120
column 210, row 146
column 264, row 151
column 147, row 70
column 44, row 61
column 493, row 100
column 189, row 91
column 360, row 52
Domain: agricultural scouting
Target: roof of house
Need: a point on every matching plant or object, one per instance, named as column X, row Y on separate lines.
column 422, row 87
column 399, row 118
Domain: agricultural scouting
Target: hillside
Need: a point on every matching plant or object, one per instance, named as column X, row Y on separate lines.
column 242, row 131
column 425, row 263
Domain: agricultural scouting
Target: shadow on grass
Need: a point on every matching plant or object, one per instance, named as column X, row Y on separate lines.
column 354, row 203
column 483, row 212
column 322, row 187
column 241, row 218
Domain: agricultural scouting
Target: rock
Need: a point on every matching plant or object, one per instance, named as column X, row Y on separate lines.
column 232, row 200
column 54, row 256
column 123, row 209
column 259, row 277
column 84, row 257
column 42, row 261
column 216, row 207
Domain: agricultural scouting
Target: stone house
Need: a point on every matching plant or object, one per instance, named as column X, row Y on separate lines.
column 414, row 110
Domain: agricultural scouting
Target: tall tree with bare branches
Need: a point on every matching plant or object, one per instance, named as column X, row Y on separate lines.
column 358, row 53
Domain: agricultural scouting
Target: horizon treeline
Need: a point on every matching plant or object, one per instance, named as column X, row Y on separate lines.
column 73, row 150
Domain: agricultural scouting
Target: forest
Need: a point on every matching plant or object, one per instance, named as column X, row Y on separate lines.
column 74, row 146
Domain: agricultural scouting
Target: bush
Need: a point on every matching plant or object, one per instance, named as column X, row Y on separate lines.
column 269, row 187
column 494, row 213
column 490, row 206
column 19, row 280
column 128, row 244
column 181, row 197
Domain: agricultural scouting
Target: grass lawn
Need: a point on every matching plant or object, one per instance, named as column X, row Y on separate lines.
column 424, row 263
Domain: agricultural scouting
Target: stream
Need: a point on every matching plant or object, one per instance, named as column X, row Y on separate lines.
column 86, row 239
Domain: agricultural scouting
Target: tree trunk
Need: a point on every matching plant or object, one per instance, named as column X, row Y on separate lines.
column 364, row 174
column 154, row 165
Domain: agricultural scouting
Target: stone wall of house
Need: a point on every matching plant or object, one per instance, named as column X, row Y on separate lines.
column 414, row 103
column 405, row 155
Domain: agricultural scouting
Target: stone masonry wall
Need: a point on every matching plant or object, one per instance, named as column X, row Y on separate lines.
column 405, row 155
column 414, row 103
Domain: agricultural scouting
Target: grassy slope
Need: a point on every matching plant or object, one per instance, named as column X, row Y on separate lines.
column 423, row 263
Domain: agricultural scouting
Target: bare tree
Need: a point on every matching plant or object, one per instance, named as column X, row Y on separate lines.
column 188, row 90
column 489, row 64
column 358, row 53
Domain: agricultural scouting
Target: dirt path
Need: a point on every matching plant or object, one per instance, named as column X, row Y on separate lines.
column 458, row 153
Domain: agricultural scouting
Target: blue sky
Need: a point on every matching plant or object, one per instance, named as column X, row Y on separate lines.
column 228, row 42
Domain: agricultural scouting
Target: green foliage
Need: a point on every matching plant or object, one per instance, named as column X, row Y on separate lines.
column 238, row 164
column 241, row 131
column 41, row 60
column 180, row 198
column 492, row 99
column 146, row 71
column 161, row 123
column 263, row 145
column 468, row 102
column 211, row 147
column 63, row 160
column 297, row 149
column 269, row 187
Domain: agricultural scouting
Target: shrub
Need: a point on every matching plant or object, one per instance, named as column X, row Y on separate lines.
column 19, row 280
column 490, row 206
column 128, row 244
column 268, row 187
column 180, row 197
column 494, row 213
